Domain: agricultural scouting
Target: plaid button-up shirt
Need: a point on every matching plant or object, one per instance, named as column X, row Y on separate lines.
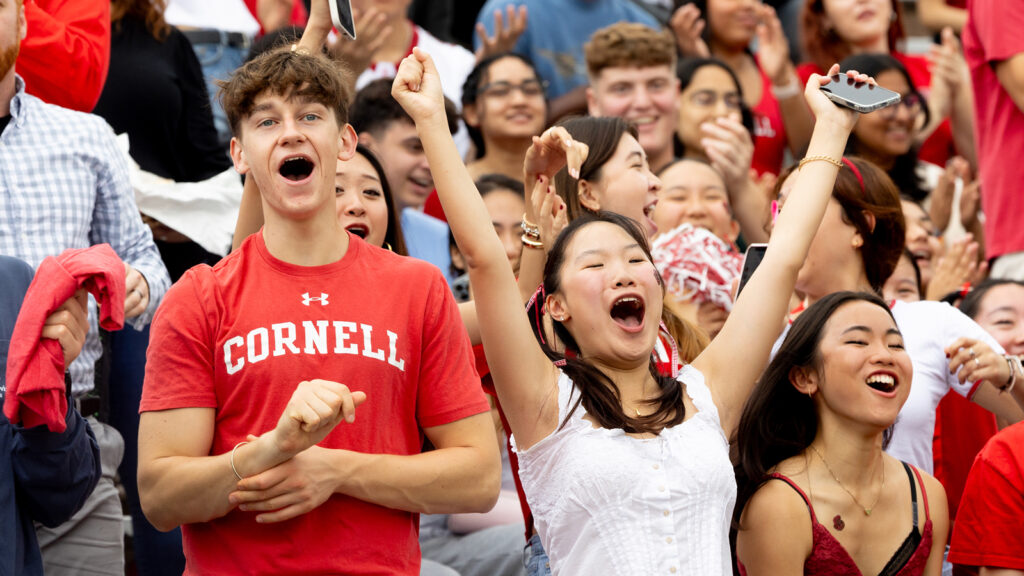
column 64, row 184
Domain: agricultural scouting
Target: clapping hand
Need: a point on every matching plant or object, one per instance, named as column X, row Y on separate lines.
column 687, row 26
column 315, row 408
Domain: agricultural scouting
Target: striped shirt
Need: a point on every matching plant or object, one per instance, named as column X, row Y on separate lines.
column 64, row 184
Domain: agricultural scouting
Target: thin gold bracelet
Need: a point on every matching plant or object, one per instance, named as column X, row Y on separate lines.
column 822, row 158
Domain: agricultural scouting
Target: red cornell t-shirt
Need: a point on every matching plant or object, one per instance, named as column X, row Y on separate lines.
column 241, row 336
column 993, row 34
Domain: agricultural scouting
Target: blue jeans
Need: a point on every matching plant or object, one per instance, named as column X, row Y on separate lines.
column 219, row 61
column 156, row 553
column 535, row 558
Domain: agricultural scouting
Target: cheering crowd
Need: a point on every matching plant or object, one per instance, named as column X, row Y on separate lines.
column 409, row 306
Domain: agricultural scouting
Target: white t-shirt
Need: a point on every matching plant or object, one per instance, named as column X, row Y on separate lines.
column 453, row 63
column 927, row 328
column 608, row 503
column 226, row 15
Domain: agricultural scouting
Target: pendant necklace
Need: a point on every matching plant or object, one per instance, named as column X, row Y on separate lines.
column 837, row 521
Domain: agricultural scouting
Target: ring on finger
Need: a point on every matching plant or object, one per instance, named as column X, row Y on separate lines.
column 976, row 363
column 971, row 352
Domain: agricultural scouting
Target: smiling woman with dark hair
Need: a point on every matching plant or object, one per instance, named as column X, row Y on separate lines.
column 817, row 422
column 504, row 107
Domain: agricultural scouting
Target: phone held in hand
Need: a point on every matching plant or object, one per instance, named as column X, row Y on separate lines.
column 859, row 96
column 341, row 15
column 751, row 260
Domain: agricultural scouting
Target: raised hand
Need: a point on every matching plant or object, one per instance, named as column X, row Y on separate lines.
column 958, row 265
column 315, row 408
column 373, row 29
column 772, row 47
column 730, row 148
column 687, row 26
column 505, row 35
column 941, row 206
column 825, row 110
column 547, row 209
column 417, row 88
column 947, row 62
column 552, row 150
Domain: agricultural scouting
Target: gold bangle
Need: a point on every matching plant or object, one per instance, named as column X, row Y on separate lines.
column 530, row 242
column 821, row 157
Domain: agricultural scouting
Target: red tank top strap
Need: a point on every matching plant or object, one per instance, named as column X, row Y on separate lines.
column 807, row 501
column 924, row 492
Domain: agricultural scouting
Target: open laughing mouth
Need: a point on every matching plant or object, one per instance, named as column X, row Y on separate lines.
column 628, row 312
column 883, row 382
column 296, row 168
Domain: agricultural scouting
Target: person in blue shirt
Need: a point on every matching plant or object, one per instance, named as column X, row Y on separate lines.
column 44, row 476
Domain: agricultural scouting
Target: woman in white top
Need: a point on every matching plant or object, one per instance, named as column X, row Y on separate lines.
column 627, row 472
column 856, row 248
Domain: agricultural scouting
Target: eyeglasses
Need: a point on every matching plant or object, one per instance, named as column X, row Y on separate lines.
column 710, row 98
column 912, row 102
column 502, row 89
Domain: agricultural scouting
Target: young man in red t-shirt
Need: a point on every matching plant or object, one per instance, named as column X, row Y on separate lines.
column 255, row 363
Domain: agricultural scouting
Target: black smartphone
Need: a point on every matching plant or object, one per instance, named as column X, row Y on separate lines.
column 859, row 96
column 341, row 15
column 753, row 257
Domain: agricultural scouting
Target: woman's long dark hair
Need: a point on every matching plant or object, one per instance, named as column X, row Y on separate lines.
column 598, row 394
column 394, row 237
column 904, row 168
column 779, row 422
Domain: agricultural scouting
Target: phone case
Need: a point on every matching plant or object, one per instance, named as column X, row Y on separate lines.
column 341, row 16
column 860, row 107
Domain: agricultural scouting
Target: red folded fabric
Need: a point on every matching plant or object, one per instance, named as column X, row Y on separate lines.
column 35, row 366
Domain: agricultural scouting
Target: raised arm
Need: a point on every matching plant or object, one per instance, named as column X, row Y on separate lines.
column 523, row 375
column 733, row 361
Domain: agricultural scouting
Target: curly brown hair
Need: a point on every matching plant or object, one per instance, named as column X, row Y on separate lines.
column 824, row 47
column 288, row 73
column 629, row 44
column 149, row 11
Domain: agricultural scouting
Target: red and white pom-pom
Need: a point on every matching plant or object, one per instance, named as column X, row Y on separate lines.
column 697, row 265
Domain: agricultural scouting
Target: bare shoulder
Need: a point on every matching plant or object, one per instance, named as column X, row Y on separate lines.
column 775, row 531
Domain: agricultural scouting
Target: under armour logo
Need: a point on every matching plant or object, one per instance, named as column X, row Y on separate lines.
column 322, row 299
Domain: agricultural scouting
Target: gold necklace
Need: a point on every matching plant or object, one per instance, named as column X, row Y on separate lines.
column 838, row 521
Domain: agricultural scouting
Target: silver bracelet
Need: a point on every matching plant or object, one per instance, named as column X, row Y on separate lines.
column 1014, row 363
column 233, row 469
